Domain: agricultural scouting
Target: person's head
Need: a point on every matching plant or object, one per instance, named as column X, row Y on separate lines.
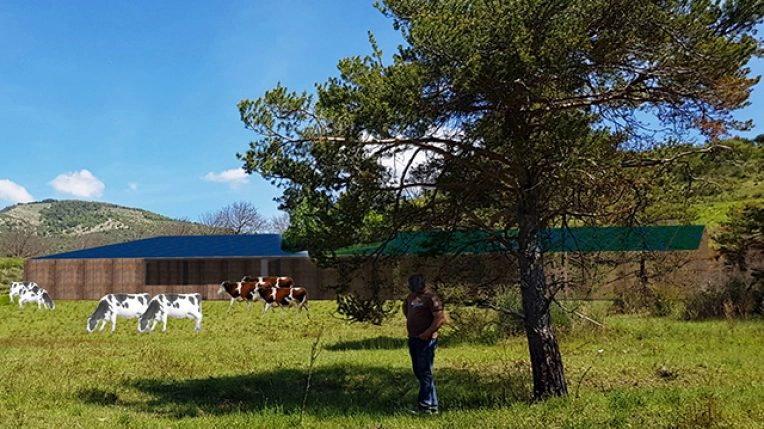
column 416, row 283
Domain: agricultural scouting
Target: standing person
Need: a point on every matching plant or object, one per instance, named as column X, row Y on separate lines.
column 424, row 316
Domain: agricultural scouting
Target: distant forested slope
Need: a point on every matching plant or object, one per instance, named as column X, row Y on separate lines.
column 52, row 226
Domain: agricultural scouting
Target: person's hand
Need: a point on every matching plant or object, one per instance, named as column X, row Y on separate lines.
column 424, row 336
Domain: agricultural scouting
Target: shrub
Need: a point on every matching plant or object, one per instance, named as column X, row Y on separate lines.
column 473, row 324
column 488, row 326
column 11, row 270
column 642, row 298
column 733, row 299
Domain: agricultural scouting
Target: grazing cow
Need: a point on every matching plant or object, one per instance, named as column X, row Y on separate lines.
column 124, row 305
column 239, row 291
column 174, row 305
column 18, row 287
column 282, row 297
column 38, row 295
column 274, row 281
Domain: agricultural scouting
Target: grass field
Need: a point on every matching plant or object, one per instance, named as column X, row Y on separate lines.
column 246, row 371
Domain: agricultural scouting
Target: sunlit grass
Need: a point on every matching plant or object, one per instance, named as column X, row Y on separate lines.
column 243, row 370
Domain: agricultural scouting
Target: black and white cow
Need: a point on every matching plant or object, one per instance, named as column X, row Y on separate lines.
column 124, row 305
column 174, row 305
column 18, row 287
column 38, row 295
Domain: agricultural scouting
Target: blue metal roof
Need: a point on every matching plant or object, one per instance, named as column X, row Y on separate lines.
column 187, row 246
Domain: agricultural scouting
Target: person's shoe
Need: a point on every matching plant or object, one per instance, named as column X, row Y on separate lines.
column 423, row 412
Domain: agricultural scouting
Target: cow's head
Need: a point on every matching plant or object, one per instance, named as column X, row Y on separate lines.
column 152, row 312
column 223, row 288
column 92, row 323
column 143, row 324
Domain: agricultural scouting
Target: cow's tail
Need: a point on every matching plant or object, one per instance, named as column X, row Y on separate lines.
column 48, row 301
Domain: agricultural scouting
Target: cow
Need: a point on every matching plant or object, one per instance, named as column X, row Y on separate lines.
column 112, row 305
column 282, row 297
column 239, row 291
column 274, row 281
column 38, row 295
column 18, row 287
column 174, row 305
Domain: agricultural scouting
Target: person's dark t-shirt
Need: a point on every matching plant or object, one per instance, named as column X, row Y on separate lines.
column 419, row 312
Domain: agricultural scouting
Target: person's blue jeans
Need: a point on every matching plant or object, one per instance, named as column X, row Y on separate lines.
column 422, row 357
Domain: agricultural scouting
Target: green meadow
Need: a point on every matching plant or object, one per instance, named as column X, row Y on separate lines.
column 244, row 370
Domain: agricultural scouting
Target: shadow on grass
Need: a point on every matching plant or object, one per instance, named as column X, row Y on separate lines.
column 334, row 391
column 379, row 343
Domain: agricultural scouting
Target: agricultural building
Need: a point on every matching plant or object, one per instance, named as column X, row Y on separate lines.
column 175, row 264
column 198, row 264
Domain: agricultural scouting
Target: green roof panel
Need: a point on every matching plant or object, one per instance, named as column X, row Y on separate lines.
column 605, row 239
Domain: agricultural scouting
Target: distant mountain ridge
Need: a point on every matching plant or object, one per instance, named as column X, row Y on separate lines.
column 75, row 218
column 52, row 226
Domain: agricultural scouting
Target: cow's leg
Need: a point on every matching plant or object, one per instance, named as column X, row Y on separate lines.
column 164, row 322
column 113, row 322
column 198, row 326
column 266, row 307
column 233, row 301
column 249, row 306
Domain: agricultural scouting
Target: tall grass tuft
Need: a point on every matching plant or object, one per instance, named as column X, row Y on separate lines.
column 733, row 298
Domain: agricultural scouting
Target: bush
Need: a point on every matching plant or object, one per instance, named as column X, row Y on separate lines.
column 734, row 299
column 11, row 270
column 644, row 299
column 488, row 326
column 473, row 324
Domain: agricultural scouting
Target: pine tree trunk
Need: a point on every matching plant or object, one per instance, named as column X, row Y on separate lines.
column 546, row 361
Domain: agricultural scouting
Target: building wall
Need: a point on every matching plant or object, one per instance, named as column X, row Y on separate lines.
column 90, row 279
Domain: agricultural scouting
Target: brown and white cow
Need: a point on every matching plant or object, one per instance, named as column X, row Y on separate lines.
column 239, row 291
column 282, row 297
column 274, row 281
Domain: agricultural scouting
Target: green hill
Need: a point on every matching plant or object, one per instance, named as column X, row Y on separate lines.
column 52, row 226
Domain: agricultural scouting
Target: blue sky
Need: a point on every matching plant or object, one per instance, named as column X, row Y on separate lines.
column 134, row 103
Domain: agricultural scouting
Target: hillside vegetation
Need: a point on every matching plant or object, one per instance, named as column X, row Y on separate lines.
column 52, row 226
column 730, row 178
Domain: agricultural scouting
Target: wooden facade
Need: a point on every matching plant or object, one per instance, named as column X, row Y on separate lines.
column 90, row 279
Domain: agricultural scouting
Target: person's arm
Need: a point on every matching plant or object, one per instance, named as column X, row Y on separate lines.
column 438, row 319
column 406, row 307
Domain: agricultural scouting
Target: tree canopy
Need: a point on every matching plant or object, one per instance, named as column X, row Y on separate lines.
column 505, row 115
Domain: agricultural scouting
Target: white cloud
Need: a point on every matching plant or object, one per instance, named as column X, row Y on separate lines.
column 13, row 192
column 78, row 183
column 133, row 186
column 234, row 177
